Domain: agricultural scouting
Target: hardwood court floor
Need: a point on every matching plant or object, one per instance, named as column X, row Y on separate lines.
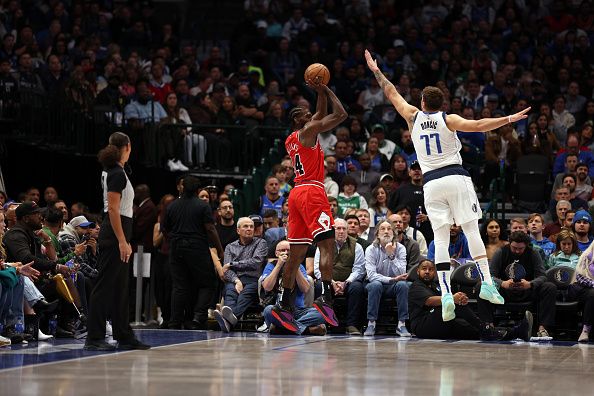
column 210, row 363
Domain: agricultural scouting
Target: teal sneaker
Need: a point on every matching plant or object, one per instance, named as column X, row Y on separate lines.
column 448, row 308
column 490, row 293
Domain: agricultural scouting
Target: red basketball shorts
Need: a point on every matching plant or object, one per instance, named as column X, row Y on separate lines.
column 309, row 213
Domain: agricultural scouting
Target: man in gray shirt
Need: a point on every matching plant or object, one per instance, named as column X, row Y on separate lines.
column 244, row 261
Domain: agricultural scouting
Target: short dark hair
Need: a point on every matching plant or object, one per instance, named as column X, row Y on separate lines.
column 348, row 180
column 351, row 216
column 53, row 215
column 581, row 164
column 191, row 185
column 520, row 237
column 403, row 207
column 270, row 213
column 433, row 98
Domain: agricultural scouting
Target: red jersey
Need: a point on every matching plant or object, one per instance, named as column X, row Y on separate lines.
column 308, row 162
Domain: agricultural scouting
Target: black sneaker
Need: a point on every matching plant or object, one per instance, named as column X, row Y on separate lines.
column 324, row 306
column 490, row 333
column 15, row 337
column 98, row 345
column 524, row 329
column 132, row 344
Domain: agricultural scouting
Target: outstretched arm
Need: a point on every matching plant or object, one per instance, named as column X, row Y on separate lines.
column 405, row 110
column 459, row 124
column 312, row 128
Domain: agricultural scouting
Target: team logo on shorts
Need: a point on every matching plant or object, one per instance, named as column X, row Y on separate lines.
column 474, row 208
column 324, row 221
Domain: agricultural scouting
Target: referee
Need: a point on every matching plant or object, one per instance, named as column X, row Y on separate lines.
column 190, row 228
column 110, row 295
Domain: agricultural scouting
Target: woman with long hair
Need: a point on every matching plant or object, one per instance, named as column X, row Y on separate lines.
column 566, row 252
column 358, row 134
column 399, row 171
column 379, row 162
column 535, row 143
column 378, row 208
column 174, row 137
column 586, row 138
column 582, row 290
column 163, row 286
column 494, row 236
column 110, row 295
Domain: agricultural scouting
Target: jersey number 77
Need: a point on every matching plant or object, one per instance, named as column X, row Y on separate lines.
column 428, row 138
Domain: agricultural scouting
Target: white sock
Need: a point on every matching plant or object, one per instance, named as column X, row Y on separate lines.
column 401, row 324
column 484, row 271
column 370, row 323
column 444, row 281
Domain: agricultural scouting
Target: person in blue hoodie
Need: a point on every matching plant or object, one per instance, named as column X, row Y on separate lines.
column 536, row 228
column 458, row 247
column 582, row 228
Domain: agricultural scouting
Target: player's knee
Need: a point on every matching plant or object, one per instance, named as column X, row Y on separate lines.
column 323, row 236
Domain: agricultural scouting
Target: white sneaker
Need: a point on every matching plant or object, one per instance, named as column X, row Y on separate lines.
column 181, row 166
column 108, row 329
column 172, row 166
column 4, row 341
column 43, row 337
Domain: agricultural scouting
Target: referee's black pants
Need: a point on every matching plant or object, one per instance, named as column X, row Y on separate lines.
column 465, row 326
column 110, row 297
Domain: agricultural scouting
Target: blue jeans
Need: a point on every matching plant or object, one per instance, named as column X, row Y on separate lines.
column 376, row 290
column 305, row 317
column 32, row 294
column 240, row 302
column 11, row 303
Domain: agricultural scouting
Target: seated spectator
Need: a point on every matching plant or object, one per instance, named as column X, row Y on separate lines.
column 258, row 225
column 502, row 146
column 387, row 182
column 272, row 231
column 535, row 228
column 349, row 198
column 226, row 226
column 536, row 143
column 582, row 228
column 344, row 162
column 378, row 208
column 367, row 178
column 175, row 138
column 554, row 227
column 334, row 207
column 571, row 162
column 494, row 236
column 399, row 171
column 280, row 172
column 458, row 246
column 353, row 227
column 583, row 187
column 562, row 119
column 348, row 274
column 308, row 319
column 385, row 147
column 244, row 260
column 330, row 162
column 379, row 161
column 424, row 305
column 143, row 110
column 365, row 231
column 582, row 290
column 411, row 232
column 385, row 264
column 271, row 199
column 413, row 254
column 572, row 146
column 531, row 287
column 330, row 186
column 570, row 181
column 566, row 251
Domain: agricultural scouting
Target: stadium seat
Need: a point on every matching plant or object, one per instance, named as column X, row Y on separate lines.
column 532, row 177
column 464, row 278
column 568, row 312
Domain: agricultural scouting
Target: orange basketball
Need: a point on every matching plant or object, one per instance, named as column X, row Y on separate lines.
column 317, row 72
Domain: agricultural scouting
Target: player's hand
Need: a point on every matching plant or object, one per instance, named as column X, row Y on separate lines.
column 371, row 63
column 316, row 84
column 519, row 116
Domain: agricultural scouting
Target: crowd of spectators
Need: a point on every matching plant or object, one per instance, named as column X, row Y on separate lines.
column 490, row 58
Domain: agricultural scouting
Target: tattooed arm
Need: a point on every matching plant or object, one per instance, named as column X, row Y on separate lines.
column 404, row 109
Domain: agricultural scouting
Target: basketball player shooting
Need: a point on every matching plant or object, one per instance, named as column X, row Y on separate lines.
column 310, row 217
column 449, row 193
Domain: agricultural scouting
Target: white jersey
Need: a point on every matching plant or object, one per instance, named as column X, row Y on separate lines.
column 436, row 146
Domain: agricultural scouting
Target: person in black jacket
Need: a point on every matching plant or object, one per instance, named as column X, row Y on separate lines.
column 532, row 286
column 110, row 296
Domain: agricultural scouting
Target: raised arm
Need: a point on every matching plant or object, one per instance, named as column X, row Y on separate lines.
column 405, row 110
column 459, row 124
column 312, row 128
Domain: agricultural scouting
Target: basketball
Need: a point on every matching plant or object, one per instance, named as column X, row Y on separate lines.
column 317, row 72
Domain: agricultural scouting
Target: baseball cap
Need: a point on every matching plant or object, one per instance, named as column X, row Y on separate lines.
column 257, row 219
column 386, row 176
column 243, row 62
column 27, row 208
column 378, row 126
column 81, row 221
column 261, row 24
column 582, row 215
column 493, row 98
column 415, row 165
